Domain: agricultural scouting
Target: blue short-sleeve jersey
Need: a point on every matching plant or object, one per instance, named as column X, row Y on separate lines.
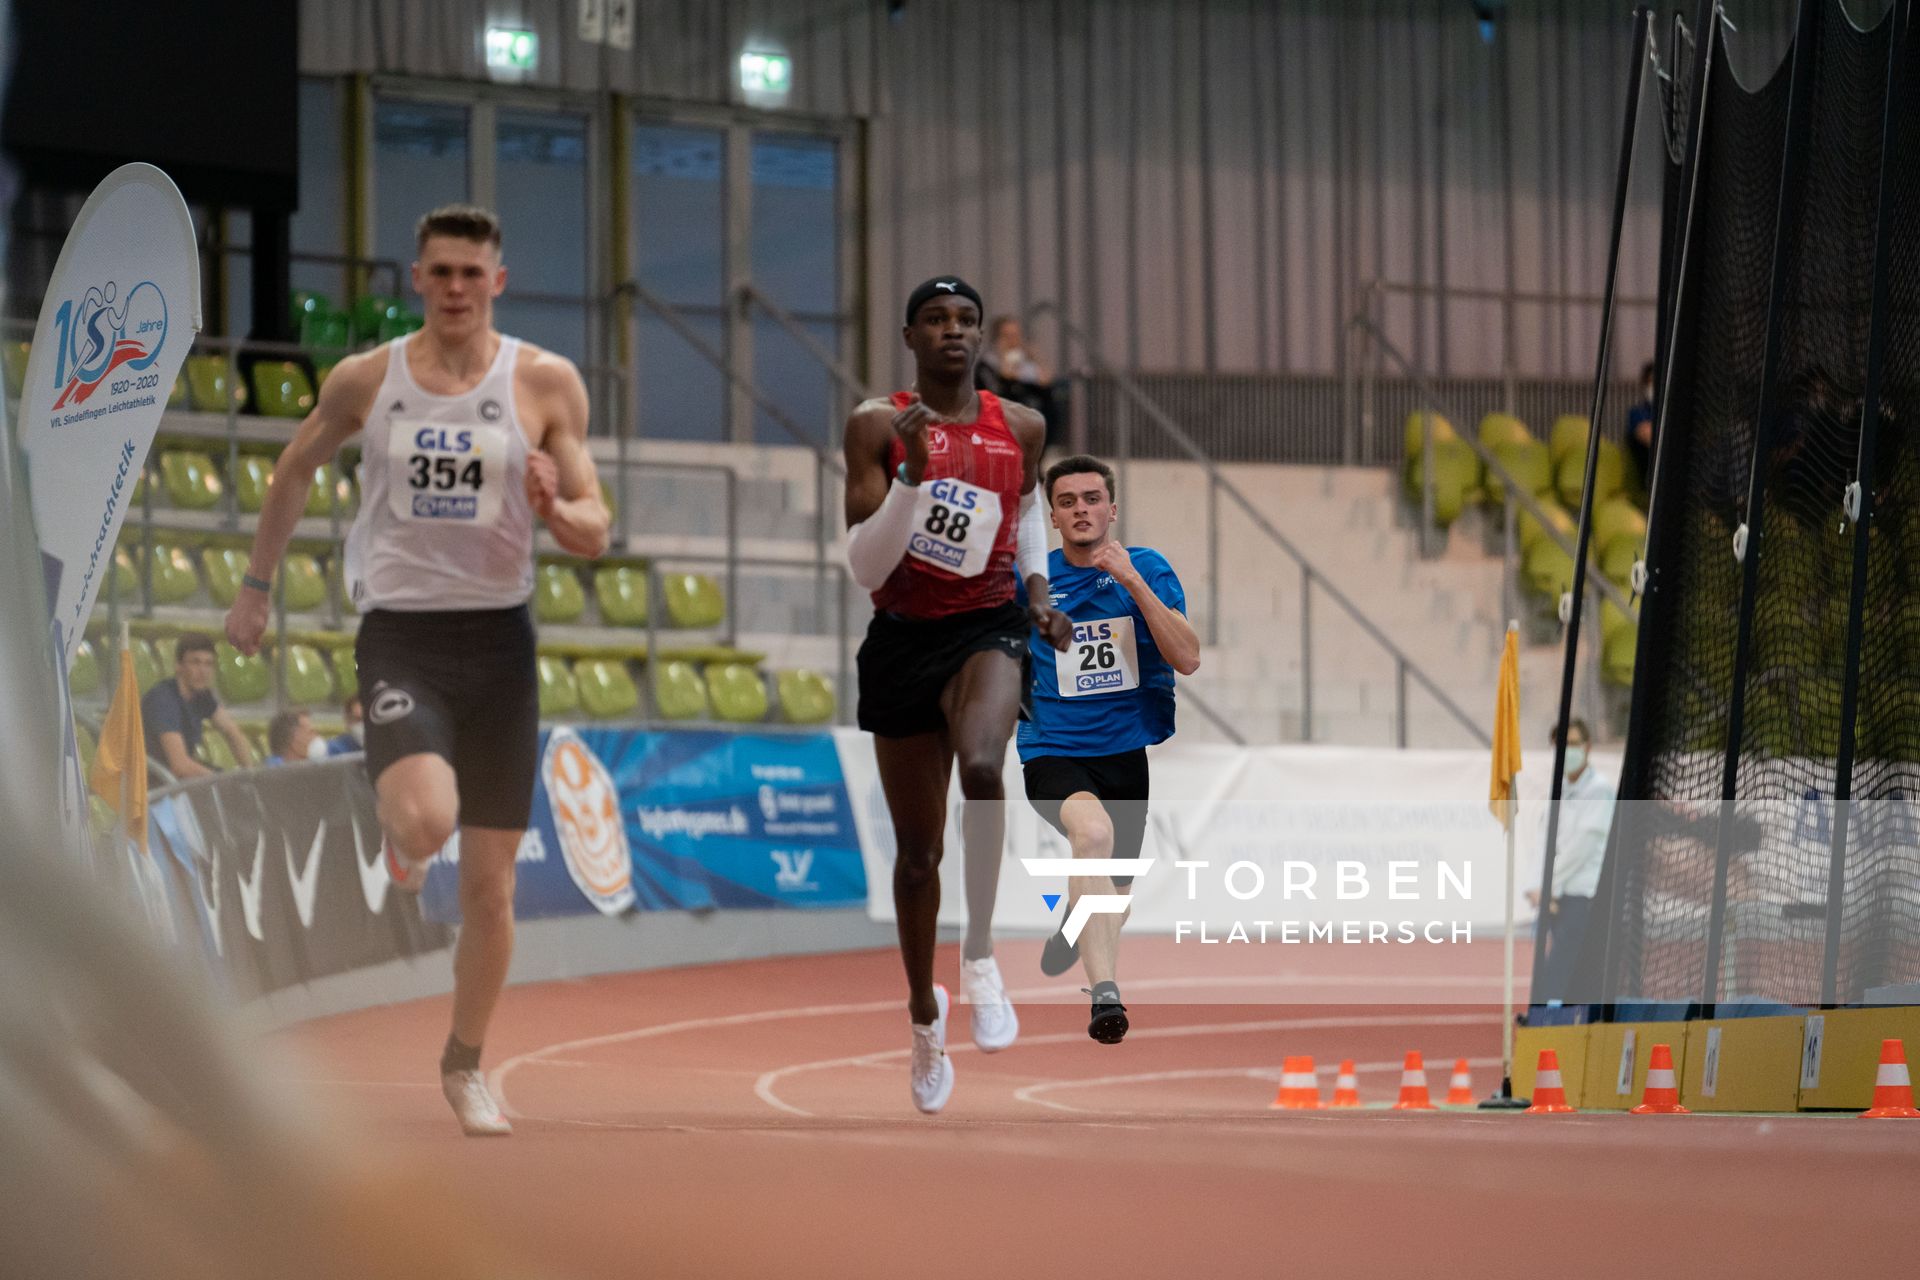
column 1111, row 691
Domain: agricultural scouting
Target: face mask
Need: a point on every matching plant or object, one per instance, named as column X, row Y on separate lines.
column 317, row 749
column 358, row 732
column 1576, row 760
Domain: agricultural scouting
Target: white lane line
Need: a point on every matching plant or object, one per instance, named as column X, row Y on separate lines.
column 765, row 1087
column 1031, row 1093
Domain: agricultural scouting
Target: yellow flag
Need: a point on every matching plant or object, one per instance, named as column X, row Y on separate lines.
column 119, row 773
column 1506, row 731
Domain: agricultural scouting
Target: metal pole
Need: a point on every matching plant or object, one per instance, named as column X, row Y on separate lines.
column 1642, row 48
column 1893, row 112
column 1213, row 560
column 1508, row 568
column 1306, row 654
column 1400, row 700
column 733, row 557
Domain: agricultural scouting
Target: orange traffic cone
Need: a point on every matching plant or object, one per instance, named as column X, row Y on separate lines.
column 1346, row 1089
column 1299, row 1086
column 1662, row 1094
column 1460, row 1085
column 1549, row 1094
column 1892, row 1087
column 1413, row 1085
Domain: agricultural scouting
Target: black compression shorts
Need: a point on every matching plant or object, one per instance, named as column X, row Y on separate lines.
column 1119, row 782
column 905, row 664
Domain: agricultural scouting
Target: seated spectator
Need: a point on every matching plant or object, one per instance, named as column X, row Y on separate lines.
column 1011, row 369
column 175, row 711
column 354, row 739
column 290, row 737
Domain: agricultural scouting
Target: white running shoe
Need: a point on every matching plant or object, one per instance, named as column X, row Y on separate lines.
column 932, row 1078
column 994, row 1023
column 470, row 1099
column 410, row 876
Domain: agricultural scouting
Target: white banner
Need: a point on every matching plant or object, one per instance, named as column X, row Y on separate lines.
column 120, row 314
column 1338, row 836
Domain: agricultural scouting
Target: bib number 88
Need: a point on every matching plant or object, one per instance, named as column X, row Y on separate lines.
column 1098, row 657
column 443, row 473
column 951, row 525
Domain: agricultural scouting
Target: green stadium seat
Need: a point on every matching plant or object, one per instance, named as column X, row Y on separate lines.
column 147, row 671
column 1531, row 532
column 1456, row 479
column 224, row 566
column 83, row 739
column 678, row 692
column 559, row 689
column 257, row 736
column 1529, row 464
column 557, row 595
column 281, row 389
column 738, row 693
column 368, row 313
column 693, row 600
column 14, row 357
column 1610, row 472
column 250, row 482
column 607, row 690
column 1617, row 561
column 805, row 697
column 396, row 326
column 172, row 575
column 126, row 578
column 1503, row 428
column 241, row 679
column 1547, row 569
column 1617, row 517
column 329, row 335
column 304, row 303
column 1416, row 432
column 1613, row 617
column 215, row 751
column 622, row 592
column 320, row 499
column 192, row 483
column 1569, row 435
column 165, row 649
column 83, row 673
column 306, row 585
column 346, row 671
column 208, row 388
column 309, row 682
column 177, row 398
column 139, row 494
column 1617, row 652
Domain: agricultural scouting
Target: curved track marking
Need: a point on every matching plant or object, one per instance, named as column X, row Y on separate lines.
column 1030, row 1093
column 764, row 1087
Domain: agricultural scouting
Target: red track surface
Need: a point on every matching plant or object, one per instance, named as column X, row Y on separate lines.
column 752, row 1119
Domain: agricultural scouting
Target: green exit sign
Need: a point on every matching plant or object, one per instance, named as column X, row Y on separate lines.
column 769, row 73
column 511, row 49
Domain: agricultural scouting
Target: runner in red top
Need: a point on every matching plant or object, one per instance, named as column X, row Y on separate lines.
column 941, row 513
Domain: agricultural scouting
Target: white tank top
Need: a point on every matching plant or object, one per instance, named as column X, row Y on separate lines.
column 444, row 521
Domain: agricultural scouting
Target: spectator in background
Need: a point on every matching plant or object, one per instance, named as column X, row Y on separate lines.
column 354, row 739
column 1640, row 427
column 1011, row 369
column 176, row 711
column 1586, row 817
column 290, row 738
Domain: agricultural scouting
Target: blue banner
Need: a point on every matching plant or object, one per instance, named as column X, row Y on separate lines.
column 624, row 819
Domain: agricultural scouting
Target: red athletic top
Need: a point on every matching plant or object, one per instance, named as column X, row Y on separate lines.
column 973, row 477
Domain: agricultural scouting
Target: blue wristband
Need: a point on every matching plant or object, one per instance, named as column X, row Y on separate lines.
column 900, row 474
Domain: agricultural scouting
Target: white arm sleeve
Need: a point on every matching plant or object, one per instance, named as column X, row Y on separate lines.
column 1030, row 551
column 876, row 544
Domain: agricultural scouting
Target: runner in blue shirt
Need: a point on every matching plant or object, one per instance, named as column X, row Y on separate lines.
column 1097, row 707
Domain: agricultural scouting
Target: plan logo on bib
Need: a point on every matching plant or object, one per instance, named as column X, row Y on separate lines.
column 586, row 814
column 102, row 331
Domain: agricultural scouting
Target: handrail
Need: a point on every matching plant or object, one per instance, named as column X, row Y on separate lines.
column 1516, row 492
column 1311, row 574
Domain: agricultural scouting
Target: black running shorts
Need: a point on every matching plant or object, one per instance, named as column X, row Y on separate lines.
column 460, row 684
column 905, row 664
column 1118, row 781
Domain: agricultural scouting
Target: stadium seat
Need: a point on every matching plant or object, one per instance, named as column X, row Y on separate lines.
column 320, row 500
column 678, row 692
column 309, row 682
column 177, row 398
column 83, row 739
column 1615, row 517
column 146, row 667
column 306, row 302
column 1617, row 561
column 172, row 575
column 1530, row 531
column 346, row 671
column 1503, row 428
column 1569, row 435
column 738, row 692
column 306, row 585
column 207, row 385
column 1617, row 650
column 126, row 579
column 805, row 697
column 1610, row 474
column 215, row 751
column 559, row 689
column 557, row 595
column 1547, row 569
column 622, row 593
column 1613, row 617
column 607, row 690
column 1416, row 432
column 1456, row 479
column 240, row 678
column 165, row 649
column 250, row 482
column 396, row 326
column 1529, row 464
column 281, row 389
column 368, row 313
column 14, row 356
column 192, row 483
column 693, row 600
column 329, row 335
column 83, row 673
column 224, row 566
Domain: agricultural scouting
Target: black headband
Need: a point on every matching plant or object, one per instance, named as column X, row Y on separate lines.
column 952, row 286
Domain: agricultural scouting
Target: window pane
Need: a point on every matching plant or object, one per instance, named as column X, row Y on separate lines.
column 679, row 220
column 419, row 162
column 319, row 224
column 681, row 394
column 540, row 177
column 796, row 234
column 798, row 383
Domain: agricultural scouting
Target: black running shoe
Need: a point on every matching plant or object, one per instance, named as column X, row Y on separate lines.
column 1108, row 1023
column 1059, row 955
